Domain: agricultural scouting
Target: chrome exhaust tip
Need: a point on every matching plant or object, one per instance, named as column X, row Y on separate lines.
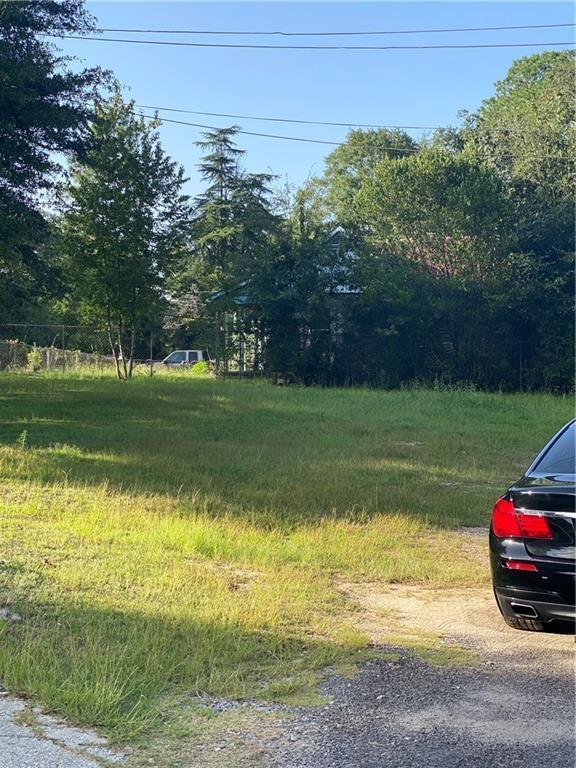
column 524, row 610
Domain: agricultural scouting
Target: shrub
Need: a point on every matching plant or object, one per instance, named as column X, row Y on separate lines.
column 202, row 369
column 34, row 359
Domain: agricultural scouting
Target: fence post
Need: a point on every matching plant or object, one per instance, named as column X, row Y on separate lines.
column 63, row 352
column 151, row 346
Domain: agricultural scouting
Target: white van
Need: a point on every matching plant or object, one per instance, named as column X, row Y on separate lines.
column 186, row 357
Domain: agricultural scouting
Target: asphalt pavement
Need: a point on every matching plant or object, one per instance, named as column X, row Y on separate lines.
column 31, row 739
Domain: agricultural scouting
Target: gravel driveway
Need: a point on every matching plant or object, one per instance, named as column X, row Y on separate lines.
column 411, row 714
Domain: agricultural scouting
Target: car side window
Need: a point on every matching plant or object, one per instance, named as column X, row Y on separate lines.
column 176, row 357
column 560, row 459
column 192, row 357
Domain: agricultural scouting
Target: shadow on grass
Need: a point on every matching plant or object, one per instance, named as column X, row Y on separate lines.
column 111, row 669
column 273, row 456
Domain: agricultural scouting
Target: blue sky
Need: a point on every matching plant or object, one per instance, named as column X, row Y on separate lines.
column 384, row 87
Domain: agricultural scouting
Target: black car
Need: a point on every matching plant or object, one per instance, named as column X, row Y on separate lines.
column 532, row 551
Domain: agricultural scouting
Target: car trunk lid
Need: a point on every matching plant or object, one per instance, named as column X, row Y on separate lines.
column 555, row 502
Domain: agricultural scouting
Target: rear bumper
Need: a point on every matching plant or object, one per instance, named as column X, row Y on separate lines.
column 549, row 590
column 548, row 607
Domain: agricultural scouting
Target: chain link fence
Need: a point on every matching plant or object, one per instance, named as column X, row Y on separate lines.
column 36, row 347
column 61, row 348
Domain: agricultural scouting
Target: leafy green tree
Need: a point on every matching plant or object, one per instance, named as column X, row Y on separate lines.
column 464, row 249
column 126, row 228
column 437, row 229
column 232, row 231
column 527, row 132
column 296, row 287
column 332, row 195
column 528, row 128
column 390, row 320
column 258, row 223
column 44, row 115
column 439, row 209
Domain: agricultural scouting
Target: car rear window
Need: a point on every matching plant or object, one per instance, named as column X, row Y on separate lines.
column 560, row 458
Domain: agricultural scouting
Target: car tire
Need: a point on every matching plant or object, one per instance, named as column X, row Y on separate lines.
column 528, row 625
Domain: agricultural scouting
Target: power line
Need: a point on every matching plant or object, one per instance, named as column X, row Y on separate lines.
column 246, row 133
column 286, row 120
column 311, row 47
column 414, row 150
column 298, row 121
column 265, row 135
column 333, row 34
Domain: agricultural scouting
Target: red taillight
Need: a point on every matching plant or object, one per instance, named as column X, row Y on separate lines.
column 505, row 520
column 519, row 565
column 534, row 527
column 509, row 524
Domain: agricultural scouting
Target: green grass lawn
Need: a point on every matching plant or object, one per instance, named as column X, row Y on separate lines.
column 173, row 535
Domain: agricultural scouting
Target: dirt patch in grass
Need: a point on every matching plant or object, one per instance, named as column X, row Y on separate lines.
column 468, row 618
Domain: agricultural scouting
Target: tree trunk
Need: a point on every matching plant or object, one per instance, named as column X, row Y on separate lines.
column 113, row 346
column 121, row 350
column 132, row 331
column 132, row 347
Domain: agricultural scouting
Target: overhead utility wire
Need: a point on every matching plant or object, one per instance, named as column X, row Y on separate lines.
column 299, row 138
column 286, row 120
column 310, row 47
column 308, row 122
column 297, row 121
column 265, row 135
column 332, row 34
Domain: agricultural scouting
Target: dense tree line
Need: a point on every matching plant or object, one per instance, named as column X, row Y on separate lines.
column 446, row 259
